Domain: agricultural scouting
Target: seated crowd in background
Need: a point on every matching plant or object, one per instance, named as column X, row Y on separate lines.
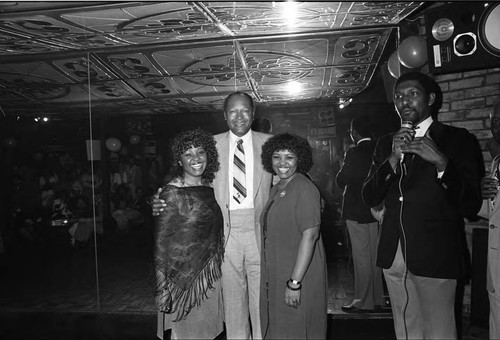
column 61, row 190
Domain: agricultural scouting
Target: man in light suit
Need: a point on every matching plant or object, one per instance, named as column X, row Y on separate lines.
column 241, row 266
column 491, row 194
column 429, row 179
column 241, row 205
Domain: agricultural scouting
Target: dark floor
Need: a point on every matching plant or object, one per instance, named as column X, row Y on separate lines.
column 48, row 290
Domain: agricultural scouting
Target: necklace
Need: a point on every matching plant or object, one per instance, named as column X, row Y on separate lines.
column 281, row 188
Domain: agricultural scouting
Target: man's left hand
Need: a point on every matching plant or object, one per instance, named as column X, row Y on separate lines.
column 426, row 148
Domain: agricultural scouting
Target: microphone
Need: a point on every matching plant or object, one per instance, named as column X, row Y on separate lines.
column 409, row 125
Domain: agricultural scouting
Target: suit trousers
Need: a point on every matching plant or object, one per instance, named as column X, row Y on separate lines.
column 368, row 289
column 494, row 315
column 241, row 277
column 422, row 307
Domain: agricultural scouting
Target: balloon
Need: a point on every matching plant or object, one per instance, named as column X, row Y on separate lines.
column 412, row 52
column 135, row 139
column 113, row 144
column 393, row 65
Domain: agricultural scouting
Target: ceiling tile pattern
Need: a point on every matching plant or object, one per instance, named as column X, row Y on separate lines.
column 169, row 57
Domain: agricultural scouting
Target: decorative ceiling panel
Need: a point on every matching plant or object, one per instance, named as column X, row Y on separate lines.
column 179, row 61
column 79, row 70
column 347, row 76
column 169, row 57
column 359, row 48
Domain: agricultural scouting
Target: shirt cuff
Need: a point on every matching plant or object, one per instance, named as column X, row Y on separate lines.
column 440, row 174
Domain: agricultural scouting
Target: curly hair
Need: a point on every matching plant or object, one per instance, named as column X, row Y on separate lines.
column 195, row 138
column 290, row 142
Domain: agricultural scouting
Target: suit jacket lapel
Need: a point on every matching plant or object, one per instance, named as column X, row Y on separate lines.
column 224, row 164
column 257, row 168
column 437, row 133
column 414, row 164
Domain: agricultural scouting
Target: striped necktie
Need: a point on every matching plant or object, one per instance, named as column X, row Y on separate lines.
column 239, row 174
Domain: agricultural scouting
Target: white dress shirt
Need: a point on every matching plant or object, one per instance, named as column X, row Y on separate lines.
column 421, row 130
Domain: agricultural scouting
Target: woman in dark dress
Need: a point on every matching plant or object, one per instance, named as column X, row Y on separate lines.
column 293, row 273
column 189, row 243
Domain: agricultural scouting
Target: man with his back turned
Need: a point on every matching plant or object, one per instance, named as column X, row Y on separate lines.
column 361, row 225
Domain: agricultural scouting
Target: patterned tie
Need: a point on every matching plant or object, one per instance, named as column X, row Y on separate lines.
column 239, row 175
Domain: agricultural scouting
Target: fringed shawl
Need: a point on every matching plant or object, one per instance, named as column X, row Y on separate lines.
column 188, row 248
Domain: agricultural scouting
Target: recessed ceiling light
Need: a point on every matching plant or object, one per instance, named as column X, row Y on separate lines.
column 290, row 12
column 294, row 87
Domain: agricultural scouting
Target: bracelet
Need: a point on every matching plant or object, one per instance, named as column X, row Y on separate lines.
column 291, row 288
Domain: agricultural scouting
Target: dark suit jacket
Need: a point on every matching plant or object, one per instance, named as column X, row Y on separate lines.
column 432, row 210
column 351, row 176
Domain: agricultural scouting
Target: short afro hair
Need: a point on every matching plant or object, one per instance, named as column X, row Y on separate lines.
column 239, row 94
column 428, row 84
column 195, row 138
column 362, row 126
column 290, row 142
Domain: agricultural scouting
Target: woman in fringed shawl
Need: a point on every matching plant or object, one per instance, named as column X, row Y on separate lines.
column 189, row 243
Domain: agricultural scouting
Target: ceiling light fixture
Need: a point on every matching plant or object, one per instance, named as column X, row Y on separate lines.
column 293, row 88
column 344, row 102
column 290, row 13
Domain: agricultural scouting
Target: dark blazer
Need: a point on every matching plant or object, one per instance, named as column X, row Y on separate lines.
column 351, row 176
column 432, row 210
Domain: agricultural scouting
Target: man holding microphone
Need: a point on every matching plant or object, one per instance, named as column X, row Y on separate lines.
column 428, row 176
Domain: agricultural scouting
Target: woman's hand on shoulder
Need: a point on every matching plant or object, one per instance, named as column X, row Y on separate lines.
column 157, row 205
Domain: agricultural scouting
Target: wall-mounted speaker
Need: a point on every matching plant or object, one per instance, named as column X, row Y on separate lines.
column 463, row 36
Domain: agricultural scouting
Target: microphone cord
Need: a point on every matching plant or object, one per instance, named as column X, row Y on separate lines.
column 405, row 275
